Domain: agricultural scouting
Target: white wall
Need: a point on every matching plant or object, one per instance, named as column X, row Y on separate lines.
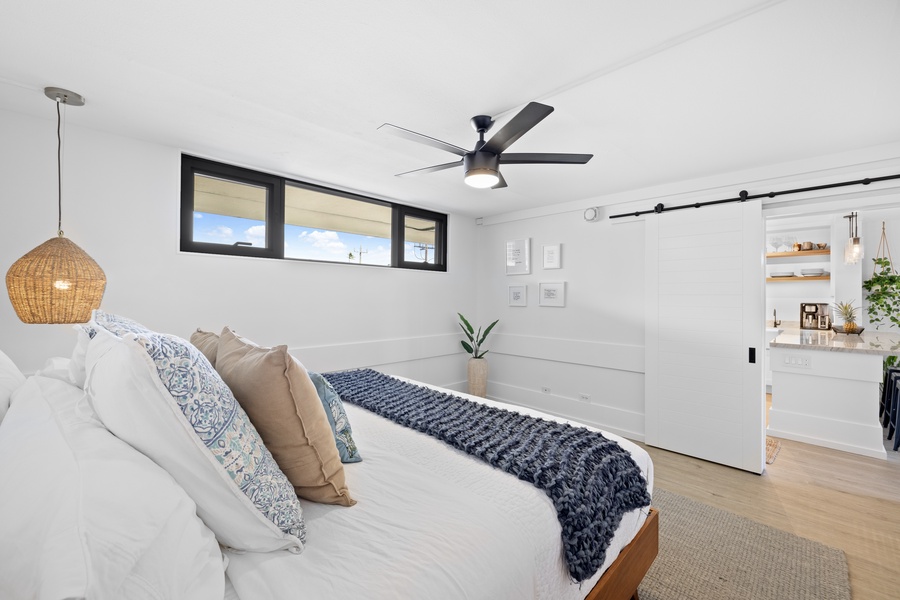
column 595, row 345
column 121, row 205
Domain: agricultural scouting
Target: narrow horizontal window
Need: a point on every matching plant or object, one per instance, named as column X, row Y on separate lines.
column 231, row 210
column 321, row 226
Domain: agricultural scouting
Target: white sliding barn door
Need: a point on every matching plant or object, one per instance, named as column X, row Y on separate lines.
column 704, row 324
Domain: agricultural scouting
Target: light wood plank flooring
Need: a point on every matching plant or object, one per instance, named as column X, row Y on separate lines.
column 840, row 499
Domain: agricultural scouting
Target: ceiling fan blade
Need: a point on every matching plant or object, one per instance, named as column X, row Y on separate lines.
column 499, row 184
column 423, row 139
column 543, row 158
column 518, row 126
column 432, row 169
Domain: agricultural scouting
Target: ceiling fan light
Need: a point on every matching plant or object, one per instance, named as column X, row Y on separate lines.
column 482, row 169
column 482, row 178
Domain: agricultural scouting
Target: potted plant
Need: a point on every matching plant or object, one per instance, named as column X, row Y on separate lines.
column 477, row 366
column 848, row 314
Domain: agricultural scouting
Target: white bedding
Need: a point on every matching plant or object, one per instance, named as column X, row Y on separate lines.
column 431, row 522
column 84, row 515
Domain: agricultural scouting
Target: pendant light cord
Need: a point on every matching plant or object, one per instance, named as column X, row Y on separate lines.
column 59, row 230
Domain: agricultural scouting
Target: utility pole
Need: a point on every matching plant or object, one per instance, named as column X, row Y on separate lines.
column 421, row 247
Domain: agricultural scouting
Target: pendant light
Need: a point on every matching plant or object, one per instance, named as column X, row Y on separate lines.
column 57, row 282
column 853, row 252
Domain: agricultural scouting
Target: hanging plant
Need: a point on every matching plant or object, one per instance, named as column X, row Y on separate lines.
column 883, row 288
column 883, row 294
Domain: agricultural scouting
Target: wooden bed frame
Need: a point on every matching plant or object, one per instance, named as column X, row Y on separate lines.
column 622, row 578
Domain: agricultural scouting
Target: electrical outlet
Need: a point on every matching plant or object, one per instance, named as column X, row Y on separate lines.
column 545, row 389
column 797, row 361
column 584, row 397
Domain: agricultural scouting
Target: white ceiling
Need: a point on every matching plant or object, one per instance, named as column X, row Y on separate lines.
column 657, row 90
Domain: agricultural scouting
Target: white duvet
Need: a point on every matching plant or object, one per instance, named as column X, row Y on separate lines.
column 430, row 522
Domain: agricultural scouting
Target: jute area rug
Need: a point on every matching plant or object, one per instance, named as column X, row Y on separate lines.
column 773, row 446
column 705, row 552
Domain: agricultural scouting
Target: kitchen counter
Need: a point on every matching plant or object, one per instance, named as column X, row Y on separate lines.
column 826, row 387
column 869, row 342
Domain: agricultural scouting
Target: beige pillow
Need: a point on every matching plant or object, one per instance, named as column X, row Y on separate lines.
column 281, row 401
column 207, row 343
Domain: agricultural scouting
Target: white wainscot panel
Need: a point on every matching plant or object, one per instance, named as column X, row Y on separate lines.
column 615, row 397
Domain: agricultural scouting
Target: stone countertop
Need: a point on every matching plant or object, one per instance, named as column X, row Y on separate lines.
column 869, row 342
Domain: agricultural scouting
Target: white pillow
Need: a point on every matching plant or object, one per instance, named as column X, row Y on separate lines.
column 76, row 365
column 10, row 379
column 87, row 516
column 158, row 393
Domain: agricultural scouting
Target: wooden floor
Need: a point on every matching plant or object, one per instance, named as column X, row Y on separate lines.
column 843, row 500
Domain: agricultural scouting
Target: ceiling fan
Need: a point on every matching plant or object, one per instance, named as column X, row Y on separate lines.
column 482, row 165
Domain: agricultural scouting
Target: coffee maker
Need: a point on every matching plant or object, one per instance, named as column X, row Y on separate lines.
column 814, row 316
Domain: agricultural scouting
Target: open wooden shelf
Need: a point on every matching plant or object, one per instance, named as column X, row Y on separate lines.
column 800, row 278
column 798, row 253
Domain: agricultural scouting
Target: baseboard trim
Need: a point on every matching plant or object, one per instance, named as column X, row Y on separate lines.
column 614, row 420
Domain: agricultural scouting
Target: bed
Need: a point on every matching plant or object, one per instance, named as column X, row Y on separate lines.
column 100, row 519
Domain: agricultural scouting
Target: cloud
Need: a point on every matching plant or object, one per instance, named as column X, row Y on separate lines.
column 328, row 241
column 257, row 233
column 222, row 231
column 198, row 215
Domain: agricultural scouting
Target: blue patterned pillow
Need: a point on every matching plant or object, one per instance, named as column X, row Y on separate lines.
column 211, row 411
column 337, row 418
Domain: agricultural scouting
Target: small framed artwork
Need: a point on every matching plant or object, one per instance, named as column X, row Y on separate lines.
column 552, row 294
column 552, row 257
column 518, row 257
column 518, row 295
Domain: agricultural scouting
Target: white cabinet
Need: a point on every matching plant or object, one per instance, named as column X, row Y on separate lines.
column 771, row 334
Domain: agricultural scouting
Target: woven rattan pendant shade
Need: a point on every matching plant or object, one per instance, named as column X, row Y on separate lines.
column 57, row 282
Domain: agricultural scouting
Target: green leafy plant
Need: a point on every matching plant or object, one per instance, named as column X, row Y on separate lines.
column 883, row 294
column 476, row 339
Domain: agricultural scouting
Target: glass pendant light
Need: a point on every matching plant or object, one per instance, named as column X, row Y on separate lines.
column 853, row 252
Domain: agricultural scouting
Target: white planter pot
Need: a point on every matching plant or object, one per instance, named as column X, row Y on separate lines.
column 478, row 372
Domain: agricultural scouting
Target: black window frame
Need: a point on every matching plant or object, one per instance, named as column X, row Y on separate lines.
column 398, row 233
column 191, row 166
column 275, row 222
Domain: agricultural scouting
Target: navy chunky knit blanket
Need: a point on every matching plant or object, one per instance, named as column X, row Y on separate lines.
column 591, row 480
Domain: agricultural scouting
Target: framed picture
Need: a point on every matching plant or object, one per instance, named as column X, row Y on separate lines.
column 552, row 294
column 518, row 295
column 552, row 257
column 518, row 257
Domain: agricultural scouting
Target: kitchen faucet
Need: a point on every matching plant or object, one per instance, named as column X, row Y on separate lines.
column 775, row 321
